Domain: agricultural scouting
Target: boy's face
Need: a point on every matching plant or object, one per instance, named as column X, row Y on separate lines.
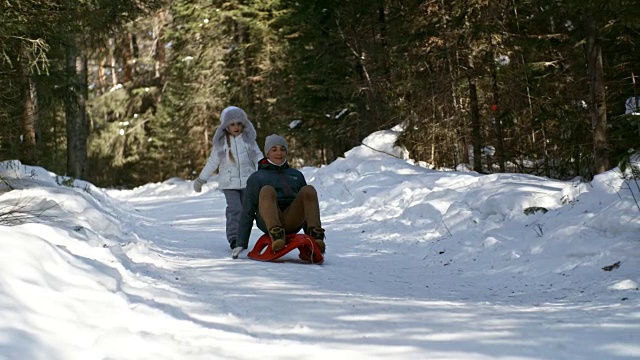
column 235, row 129
column 277, row 154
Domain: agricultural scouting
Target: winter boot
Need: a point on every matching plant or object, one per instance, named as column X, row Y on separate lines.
column 278, row 238
column 317, row 233
column 306, row 254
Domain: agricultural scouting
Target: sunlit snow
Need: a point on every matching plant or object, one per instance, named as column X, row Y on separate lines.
column 420, row 264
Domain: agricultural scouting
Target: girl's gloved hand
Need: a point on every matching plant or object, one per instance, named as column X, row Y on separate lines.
column 197, row 184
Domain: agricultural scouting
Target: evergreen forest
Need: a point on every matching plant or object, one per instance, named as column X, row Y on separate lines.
column 126, row 92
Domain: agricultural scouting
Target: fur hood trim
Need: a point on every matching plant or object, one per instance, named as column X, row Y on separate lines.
column 230, row 115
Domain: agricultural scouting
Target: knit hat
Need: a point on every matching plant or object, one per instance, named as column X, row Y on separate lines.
column 273, row 140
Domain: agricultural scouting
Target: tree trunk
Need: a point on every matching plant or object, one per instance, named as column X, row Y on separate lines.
column 29, row 118
column 159, row 53
column 102, row 76
column 497, row 120
column 127, row 57
column 598, row 98
column 75, row 114
column 244, row 38
column 382, row 19
column 114, row 63
column 476, row 137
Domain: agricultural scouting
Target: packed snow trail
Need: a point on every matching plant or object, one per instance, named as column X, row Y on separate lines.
column 420, row 264
column 368, row 300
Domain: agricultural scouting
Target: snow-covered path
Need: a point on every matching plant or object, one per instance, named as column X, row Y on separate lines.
column 420, row 264
column 363, row 302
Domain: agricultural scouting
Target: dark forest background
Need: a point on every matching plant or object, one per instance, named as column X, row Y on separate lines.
column 121, row 93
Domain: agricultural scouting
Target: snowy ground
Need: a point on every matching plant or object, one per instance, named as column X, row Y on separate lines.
column 420, row 264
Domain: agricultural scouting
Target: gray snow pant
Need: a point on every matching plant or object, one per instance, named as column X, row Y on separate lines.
column 234, row 208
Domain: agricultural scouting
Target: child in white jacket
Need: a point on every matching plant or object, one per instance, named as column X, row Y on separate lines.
column 235, row 155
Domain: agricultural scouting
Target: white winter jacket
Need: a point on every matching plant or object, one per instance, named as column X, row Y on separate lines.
column 233, row 174
column 246, row 152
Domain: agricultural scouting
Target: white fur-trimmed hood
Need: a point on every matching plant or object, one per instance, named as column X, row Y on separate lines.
column 230, row 115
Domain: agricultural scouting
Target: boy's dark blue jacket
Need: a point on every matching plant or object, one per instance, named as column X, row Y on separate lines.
column 286, row 180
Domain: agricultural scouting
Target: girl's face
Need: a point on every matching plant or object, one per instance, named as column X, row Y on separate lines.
column 235, row 129
column 277, row 155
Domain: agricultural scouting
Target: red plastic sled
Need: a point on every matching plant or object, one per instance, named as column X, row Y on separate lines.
column 309, row 250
